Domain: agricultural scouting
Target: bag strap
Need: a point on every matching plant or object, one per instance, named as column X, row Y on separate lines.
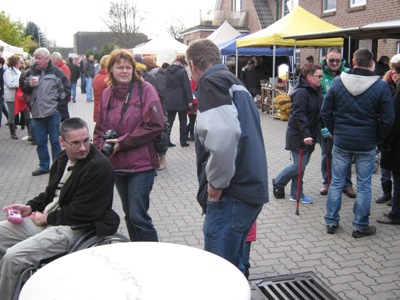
column 124, row 107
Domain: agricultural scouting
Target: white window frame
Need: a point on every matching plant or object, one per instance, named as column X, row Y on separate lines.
column 354, row 3
column 237, row 5
column 324, row 6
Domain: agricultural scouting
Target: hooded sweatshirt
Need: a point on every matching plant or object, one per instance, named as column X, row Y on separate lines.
column 358, row 108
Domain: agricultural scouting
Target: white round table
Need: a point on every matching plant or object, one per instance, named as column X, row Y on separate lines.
column 138, row 270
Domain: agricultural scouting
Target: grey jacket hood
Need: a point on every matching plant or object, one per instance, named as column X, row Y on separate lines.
column 357, row 84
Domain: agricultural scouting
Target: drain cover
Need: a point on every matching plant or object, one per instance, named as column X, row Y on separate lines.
column 300, row 286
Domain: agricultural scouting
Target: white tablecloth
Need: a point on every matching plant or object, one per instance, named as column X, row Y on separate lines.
column 138, row 270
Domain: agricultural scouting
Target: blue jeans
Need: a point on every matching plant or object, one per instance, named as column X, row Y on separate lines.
column 45, row 129
column 83, row 84
column 226, row 226
column 394, row 213
column 89, row 88
column 73, row 91
column 365, row 163
column 246, row 258
column 324, row 170
column 134, row 191
column 290, row 172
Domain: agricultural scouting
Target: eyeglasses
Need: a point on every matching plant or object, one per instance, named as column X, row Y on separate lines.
column 126, row 68
column 318, row 76
column 85, row 143
column 332, row 60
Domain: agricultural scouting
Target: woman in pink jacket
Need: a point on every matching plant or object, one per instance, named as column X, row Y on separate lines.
column 130, row 118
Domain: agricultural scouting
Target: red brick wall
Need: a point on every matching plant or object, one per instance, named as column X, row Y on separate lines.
column 373, row 11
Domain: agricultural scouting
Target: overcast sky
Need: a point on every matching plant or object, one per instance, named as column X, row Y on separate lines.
column 61, row 20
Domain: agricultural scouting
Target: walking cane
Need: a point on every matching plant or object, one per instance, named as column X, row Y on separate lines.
column 299, row 182
column 328, row 169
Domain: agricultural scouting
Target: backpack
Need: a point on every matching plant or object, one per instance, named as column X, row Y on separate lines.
column 161, row 142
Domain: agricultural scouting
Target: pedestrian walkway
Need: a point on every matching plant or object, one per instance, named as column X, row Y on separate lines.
column 355, row 269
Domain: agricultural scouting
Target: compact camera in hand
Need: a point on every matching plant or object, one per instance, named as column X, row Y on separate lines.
column 108, row 148
column 14, row 216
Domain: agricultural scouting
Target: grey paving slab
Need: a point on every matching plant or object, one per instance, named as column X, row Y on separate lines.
column 366, row 268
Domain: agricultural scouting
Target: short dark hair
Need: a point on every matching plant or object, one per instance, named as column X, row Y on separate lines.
column 2, row 60
column 70, row 59
column 363, row 57
column 181, row 59
column 72, row 124
column 203, row 53
column 309, row 69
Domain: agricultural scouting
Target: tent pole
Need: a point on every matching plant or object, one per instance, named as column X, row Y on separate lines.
column 237, row 63
column 273, row 80
column 349, row 51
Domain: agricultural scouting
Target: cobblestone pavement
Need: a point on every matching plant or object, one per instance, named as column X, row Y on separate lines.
column 366, row 268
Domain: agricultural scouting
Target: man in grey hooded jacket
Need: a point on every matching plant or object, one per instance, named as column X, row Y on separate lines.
column 358, row 108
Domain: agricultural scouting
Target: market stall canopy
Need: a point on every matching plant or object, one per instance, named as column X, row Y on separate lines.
column 229, row 48
column 377, row 30
column 165, row 49
column 223, row 34
column 8, row 50
column 297, row 21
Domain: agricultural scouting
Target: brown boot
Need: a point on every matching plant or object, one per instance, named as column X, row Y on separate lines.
column 12, row 132
column 163, row 163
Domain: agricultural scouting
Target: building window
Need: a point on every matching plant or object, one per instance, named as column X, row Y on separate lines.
column 329, row 5
column 237, row 5
column 357, row 2
column 288, row 6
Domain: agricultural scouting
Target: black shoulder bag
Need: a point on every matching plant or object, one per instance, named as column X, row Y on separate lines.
column 161, row 142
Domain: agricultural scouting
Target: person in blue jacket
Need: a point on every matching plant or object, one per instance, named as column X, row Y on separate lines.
column 231, row 160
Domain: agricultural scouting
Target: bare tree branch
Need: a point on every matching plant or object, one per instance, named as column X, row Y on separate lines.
column 124, row 20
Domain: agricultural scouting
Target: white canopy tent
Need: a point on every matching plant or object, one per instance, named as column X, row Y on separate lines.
column 164, row 48
column 223, row 34
column 9, row 50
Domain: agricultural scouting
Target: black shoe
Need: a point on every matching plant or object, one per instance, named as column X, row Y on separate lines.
column 387, row 221
column 39, row 172
column 184, row 145
column 331, row 229
column 279, row 192
column 370, row 230
column 390, row 203
column 171, row 145
column 384, row 198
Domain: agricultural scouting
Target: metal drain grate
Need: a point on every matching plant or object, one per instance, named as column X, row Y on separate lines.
column 301, row 286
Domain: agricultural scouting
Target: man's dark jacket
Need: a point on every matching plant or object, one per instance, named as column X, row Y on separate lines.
column 358, row 109
column 87, row 195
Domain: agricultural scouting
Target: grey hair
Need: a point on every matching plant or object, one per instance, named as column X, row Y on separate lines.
column 42, row 51
column 57, row 55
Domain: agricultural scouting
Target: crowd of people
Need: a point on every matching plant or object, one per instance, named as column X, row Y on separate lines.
column 350, row 112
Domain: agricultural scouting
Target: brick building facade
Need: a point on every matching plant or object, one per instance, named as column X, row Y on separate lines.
column 343, row 13
column 346, row 15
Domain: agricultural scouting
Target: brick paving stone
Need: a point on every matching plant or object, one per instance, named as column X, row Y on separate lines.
column 359, row 269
